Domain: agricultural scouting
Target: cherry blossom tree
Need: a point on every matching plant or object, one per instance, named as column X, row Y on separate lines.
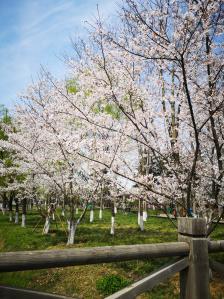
column 46, row 143
column 157, row 83
column 145, row 102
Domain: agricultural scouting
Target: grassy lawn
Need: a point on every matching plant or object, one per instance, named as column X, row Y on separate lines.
column 81, row 281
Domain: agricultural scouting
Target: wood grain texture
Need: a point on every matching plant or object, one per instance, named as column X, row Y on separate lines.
column 192, row 226
column 216, row 246
column 42, row 259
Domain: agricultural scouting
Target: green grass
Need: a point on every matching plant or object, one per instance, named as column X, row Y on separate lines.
column 80, row 281
column 110, row 284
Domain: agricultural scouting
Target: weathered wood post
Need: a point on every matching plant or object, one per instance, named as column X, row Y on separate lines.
column 194, row 280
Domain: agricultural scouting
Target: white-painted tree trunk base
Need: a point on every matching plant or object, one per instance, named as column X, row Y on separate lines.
column 138, row 218
column 72, row 232
column 115, row 210
column 100, row 214
column 112, row 229
column 91, row 217
column 194, row 208
column 145, row 215
column 76, row 211
column 46, row 226
column 71, row 235
column 53, row 216
column 153, row 207
column 23, row 224
column 17, row 218
column 3, row 211
column 209, row 219
column 68, row 222
column 141, row 223
column 10, row 217
column 63, row 212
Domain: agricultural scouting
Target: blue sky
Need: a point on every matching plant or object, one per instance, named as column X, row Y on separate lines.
column 35, row 32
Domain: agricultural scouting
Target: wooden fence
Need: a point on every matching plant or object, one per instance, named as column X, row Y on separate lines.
column 192, row 252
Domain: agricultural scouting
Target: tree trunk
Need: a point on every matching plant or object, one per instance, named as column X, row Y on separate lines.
column 46, row 226
column 23, row 224
column 141, row 224
column 24, row 206
column 10, row 209
column 145, row 214
column 63, row 212
column 4, row 204
column 101, row 207
column 220, row 210
column 17, row 218
column 100, row 214
column 72, row 226
column 10, row 216
column 17, row 211
column 139, row 207
column 112, row 229
column 72, row 231
column 91, row 217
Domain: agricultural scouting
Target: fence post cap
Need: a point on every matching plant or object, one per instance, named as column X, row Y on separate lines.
column 195, row 227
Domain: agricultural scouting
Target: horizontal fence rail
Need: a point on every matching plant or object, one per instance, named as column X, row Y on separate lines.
column 43, row 259
column 216, row 246
column 17, row 293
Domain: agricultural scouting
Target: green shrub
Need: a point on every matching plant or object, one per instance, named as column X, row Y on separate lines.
column 111, row 283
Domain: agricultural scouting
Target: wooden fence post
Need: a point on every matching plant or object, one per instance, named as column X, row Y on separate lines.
column 194, row 281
